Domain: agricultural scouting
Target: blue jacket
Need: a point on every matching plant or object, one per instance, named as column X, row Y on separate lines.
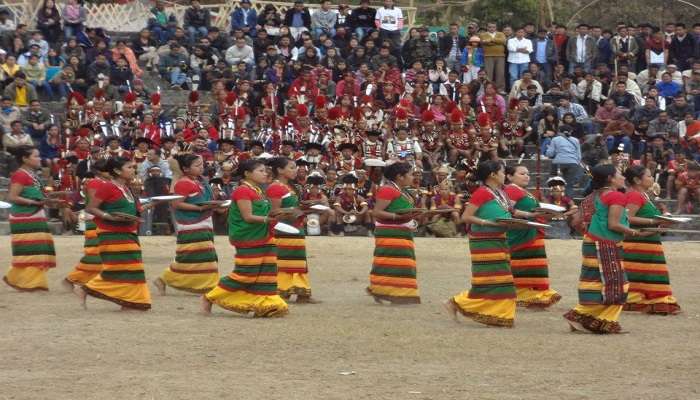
column 238, row 20
column 478, row 57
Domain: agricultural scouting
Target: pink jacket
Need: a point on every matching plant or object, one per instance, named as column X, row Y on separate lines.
column 130, row 58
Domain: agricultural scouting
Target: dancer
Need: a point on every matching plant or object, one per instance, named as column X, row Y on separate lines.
column 292, row 266
column 90, row 263
column 393, row 275
column 195, row 268
column 603, row 286
column 491, row 300
column 32, row 244
column 528, row 258
column 122, row 280
column 644, row 260
column 252, row 286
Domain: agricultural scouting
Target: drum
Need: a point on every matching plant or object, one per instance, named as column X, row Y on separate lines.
column 313, row 225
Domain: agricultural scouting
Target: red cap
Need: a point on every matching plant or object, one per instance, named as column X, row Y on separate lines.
column 194, row 96
column 320, row 101
column 405, row 102
column 83, row 132
column 335, row 113
column 155, row 99
column 99, row 93
column 231, row 98
column 428, row 116
column 240, row 113
column 483, row 119
column 456, row 116
column 130, row 97
column 302, row 110
column 401, row 114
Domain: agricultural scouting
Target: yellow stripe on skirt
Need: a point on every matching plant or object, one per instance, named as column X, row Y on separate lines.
column 195, row 268
column 292, row 267
column 90, row 265
column 32, row 252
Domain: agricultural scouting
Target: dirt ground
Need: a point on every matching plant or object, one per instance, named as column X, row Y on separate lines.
column 348, row 347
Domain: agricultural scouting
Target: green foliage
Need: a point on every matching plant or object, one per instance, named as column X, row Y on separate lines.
column 512, row 12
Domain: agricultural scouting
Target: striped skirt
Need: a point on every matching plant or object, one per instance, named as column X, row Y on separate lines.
column 122, row 280
column 252, row 286
column 528, row 262
column 33, row 252
column 195, row 268
column 491, row 299
column 593, row 313
column 90, row 264
column 292, row 268
column 650, row 287
column 393, row 274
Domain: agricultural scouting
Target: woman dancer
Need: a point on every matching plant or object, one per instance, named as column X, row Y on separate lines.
column 122, row 280
column 90, row 264
column 195, row 268
column 393, row 275
column 644, row 260
column 528, row 258
column 603, row 286
column 491, row 300
column 252, row 286
column 292, row 267
column 32, row 244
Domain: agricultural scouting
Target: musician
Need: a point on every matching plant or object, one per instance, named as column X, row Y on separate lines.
column 114, row 148
column 150, row 129
column 140, row 153
column 373, row 146
column 350, row 209
column 314, row 158
column 227, row 152
column 445, row 197
column 486, row 143
column 430, row 138
column 255, row 149
column 313, row 193
column 168, row 147
column 347, row 161
column 287, row 149
column 514, row 132
column 403, row 148
column 459, row 142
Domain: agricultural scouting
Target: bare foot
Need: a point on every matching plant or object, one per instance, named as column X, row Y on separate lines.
column 82, row 296
column 160, row 286
column 68, row 285
column 206, row 305
column 451, row 309
column 307, row 300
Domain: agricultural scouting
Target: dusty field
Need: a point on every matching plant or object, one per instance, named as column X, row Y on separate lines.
column 346, row 348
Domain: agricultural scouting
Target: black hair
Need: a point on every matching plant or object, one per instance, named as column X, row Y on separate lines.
column 635, row 171
column 21, row 152
column 278, row 163
column 99, row 166
column 601, row 175
column 510, row 169
column 248, row 166
column 486, row 168
column 185, row 160
column 116, row 163
column 393, row 171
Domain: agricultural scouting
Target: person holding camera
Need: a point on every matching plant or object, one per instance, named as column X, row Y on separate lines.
column 565, row 152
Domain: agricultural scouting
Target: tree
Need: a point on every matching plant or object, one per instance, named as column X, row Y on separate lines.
column 515, row 13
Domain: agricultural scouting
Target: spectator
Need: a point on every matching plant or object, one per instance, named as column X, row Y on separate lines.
column 581, row 50
column 8, row 113
column 173, row 66
column 389, row 21
column 663, row 125
column 647, row 112
column 297, row 19
column 565, row 153
column 121, row 51
column 472, row 60
column 625, row 48
column 361, row 20
column 20, row 92
column 680, row 108
column 36, row 122
column 566, row 106
column 543, row 54
column 153, row 159
column 494, row 44
column 72, row 49
column 160, row 23
column 519, row 50
column 604, row 52
column 324, row 19
column 9, row 68
column 682, row 49
column 420, row 49
column 121, row 75
column 104, row 84
column 101, row 66
column 38, row 39
column 197, row 21
column 145, row 49
column 240, row 52
column 668, row 88
column 451, row 47
column 608, row 113
column 16, row 137
column 74, row 16
column 35, row 72
column 656, row 52
column 245, row 18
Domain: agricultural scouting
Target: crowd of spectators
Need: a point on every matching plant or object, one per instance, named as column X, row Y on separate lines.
column 343, row 90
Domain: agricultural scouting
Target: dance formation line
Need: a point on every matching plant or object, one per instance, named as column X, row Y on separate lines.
column 623, row 265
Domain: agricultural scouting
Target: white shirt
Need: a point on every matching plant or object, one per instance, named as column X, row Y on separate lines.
column 516, row 57
column 581, row 48
column 389, row 18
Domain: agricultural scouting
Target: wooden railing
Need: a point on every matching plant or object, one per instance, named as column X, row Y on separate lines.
column 133, row 16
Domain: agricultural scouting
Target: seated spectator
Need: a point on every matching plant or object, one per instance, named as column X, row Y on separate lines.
column 8, row 114
column 49, row 21
column 153, row 159
column 121, row 75
column 122, row 51
column 104, row 84
column 20, row 92
column 608, row 113
column 361, row 19
column 16, row 137
column 676, row 75
column 580, row 114
column 668, row 88
column 9, row 69
column 240, row 52
column 298, row 19
column 36, row 122
column 99, row 48
column 38, row 39
column 679, row 108
column 324, row 19
column 245, row 18
column 74, row 16
column 161, row 24
column 520, row 86
column 173, row 66
column 35, row 71
column 145, row 49
column 647, row 78
column 101, row 66
column 71, row 48
column 663, row 125
column 197, row 21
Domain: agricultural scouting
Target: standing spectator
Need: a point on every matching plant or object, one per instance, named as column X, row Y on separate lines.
column 244, row 18
column 451, row 46
column 389, row 21
column 74, row 16
column 604, row 52
column 543, row 54
column 565, row 152
column 625, row 48
column 20, row 92
column 361, row 20
column 472, row 60
column 683, row 48
column 519, row 49
column 297, row 19
column 494, row 44
column 581, row 50
column 196, row 21
column 323, row 20
column 49, row 21
column 656, row 52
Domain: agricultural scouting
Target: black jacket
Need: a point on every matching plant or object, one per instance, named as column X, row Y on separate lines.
column 445, row 44
column 362, row 18
column 305, row 16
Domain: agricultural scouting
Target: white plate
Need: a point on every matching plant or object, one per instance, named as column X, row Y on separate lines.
column 286, row 228
column 145, row 200
column 226, row 203
column 167, row 197
column 320, row 207
column 374, row 162
column 538, row 225
column 552, row 207
column 681, row 220
column 5, row 204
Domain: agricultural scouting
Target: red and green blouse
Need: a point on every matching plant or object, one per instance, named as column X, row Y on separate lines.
column 195, row 193
column 490, row 206
column 31, row 189
column 245, row 234
column 523, row 201
column 598, row 228
column 398, row 201
column 117, row 199
column 647, row 209
column 279, row 190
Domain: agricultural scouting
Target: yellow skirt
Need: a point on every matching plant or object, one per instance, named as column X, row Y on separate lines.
column 90, row 265
column 244, row 302
column 195, row 268
column 486, row 311
column 293, row 283
column 130, row 295
column 193, row 283
column 534, row 298
column 26, row 279
column 659, row 305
